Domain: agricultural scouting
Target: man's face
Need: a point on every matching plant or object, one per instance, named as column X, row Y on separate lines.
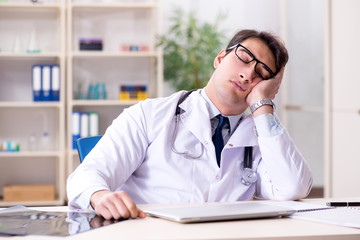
column 233, row 78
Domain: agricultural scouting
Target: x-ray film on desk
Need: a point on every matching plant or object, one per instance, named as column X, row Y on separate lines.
column 21, row 221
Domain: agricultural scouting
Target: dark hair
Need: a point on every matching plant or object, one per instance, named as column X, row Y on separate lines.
column 276, row 45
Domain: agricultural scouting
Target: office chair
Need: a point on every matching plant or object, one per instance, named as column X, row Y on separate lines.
column 84, row 145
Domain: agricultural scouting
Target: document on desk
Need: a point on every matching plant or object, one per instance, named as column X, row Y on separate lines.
column 343, row 216
column 348, row 217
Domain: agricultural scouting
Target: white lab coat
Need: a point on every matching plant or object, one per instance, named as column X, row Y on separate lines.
column 135, row 155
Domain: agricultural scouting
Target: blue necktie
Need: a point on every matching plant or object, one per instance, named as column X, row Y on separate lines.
column 218, row 138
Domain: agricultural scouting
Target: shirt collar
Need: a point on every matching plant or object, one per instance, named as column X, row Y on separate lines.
column 234, row 120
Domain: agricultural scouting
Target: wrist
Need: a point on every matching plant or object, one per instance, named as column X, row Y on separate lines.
column 262, row 106
column 96, row 196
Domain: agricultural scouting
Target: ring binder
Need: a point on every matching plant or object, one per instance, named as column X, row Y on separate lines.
column 46, row 82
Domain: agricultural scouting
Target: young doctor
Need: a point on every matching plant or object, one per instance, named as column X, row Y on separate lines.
column 149, row 154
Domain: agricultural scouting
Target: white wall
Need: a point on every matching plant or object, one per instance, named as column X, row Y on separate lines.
column 300, row 24
column 258, row 14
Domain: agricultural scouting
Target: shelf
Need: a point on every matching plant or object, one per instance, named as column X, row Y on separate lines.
column 113, row 5
column 4, row 104
column 30, row 154
column 117, row 23
column 30, row 5
column 21, row 117
column 84, row 54
column 104, row 102
column 30, row 56
column 32, row 203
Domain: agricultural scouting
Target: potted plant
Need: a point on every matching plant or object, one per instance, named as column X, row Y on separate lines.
column 189, row 50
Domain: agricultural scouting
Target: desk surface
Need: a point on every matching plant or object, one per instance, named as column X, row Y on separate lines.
column 153, row 228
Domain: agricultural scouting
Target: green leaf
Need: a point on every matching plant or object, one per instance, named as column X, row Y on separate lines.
column 190, row 48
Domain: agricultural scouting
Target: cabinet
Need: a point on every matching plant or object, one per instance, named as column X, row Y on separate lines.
column 41, row 159
column 118, row 24
column 343, row 99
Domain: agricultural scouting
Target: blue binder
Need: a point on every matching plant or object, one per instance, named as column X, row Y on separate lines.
column 75, row 128
column 36, row 82
column 55, row 83
column 46, row 82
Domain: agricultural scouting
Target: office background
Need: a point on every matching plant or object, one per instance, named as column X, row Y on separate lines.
column 301, row 24
column 318, row 101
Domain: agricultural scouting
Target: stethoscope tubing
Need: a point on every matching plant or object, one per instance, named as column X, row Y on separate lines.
column 249, row 176
column 186, row 153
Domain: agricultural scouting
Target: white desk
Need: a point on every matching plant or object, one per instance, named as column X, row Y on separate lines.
column 153, row 228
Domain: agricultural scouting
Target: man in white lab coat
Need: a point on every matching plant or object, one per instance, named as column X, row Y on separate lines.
column 145, row 157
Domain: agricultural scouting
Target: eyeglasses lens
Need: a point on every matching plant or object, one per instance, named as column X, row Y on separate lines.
column 245, row 56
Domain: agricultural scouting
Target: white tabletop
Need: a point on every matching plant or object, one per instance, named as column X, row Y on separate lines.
column 153, row 228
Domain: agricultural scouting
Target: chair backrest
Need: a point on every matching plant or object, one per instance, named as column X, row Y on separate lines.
column 84, row 145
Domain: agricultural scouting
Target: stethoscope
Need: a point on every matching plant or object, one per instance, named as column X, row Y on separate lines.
column 249, row 176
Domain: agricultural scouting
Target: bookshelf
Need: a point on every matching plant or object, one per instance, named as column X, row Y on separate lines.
column 21, row 119
column 117, row 23
column 58, row 25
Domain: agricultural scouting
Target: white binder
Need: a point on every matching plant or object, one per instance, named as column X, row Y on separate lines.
column 93, row 124
column 46, row 82
column 55, row 83
column 36, row 82
column 84, row 125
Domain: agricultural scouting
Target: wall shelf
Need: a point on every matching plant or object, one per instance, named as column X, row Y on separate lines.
column 85, row 54
column 14, row 104
column 104, row 102
column 25, row 56
column 119, row 5
column 24, row 154
column 30, row 5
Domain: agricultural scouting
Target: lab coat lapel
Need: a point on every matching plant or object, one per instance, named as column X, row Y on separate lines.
column 195, row 116
column 245, row 133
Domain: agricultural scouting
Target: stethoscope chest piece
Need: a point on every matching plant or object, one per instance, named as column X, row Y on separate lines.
column 249, row 176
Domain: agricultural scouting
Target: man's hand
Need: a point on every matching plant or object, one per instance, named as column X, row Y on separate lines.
column 115, row 205
column 266, row 89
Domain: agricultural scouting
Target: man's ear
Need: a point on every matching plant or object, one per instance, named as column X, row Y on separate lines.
column 219, row 58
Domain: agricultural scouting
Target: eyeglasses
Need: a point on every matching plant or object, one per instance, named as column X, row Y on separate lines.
column 246, row 56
